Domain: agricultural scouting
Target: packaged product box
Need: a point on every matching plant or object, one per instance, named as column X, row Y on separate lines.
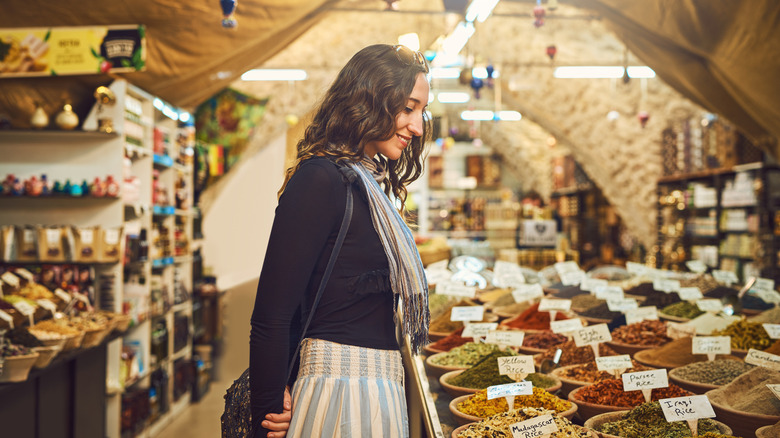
column 110, row 245
column 86, row 244
column 26, row 244
column 52, row 243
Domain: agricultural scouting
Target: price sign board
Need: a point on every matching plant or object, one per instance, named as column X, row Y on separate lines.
column 640, row 314
column 27, row 275
column 527, row 292
column 696, row 266
column 726, row 277
column 61, row 294
column 467, row 313
column 691, row 407
column 572, row 278
column 609, row 363
column 773, row 330
column 713, row 305
column 636, row 268
column 774, row 388
column 7, row 318
column 763, row 359
column 609, row 293
column 590, row 284
column 711, row 345
column 667, row 286
column 478, row 329
column 690, row 293
column 592, row 334
column 10, row 279
column 510, row 390
column 566, row 325
column 549, row 304
column 564, row 267
column 437, row 277
column 535, row 427
column 509, row 279
column 24, row 308
column 48, row 305
column 523, row 364
column 512, row 338
column 623, row 305
column 645, row 381
column 456, row 289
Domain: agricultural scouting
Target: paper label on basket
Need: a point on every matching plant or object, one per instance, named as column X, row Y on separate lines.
column 636, row 268
column 24, row 273
column 572, row 278
column 764, row 288
column 564, row 267
column 87, row 236
column 696, row 266
column 592, row 334
column 774, row 388
column 590, row 284
column 467, row 313
column 53, row 235
column 548, row 304
column 478, row 329
column 438, row 277
column 607, row 363
column 24, row 308
column 527, row 292
column 509, row 279
column 46, row 304
column 11, row 279
column 691, row 407
column 676, row 330
column 510, row 389
column 28, row 236
column 763, row 359
column 650, row 379
column 667, row 286
column 535, row 427
column 7, row 318
column 504, row 267
column 773, row 330
column 726, row 277
column 609, row 293
column 111, row 237
column 61, row 294
column 709, row 305
column 640, row 314
column 566, row 325
column 511, row 338
column 690, row 293
column 456, row 289
column 711, row 345
column 623, row 305
column 523, row 364
column 769, row 296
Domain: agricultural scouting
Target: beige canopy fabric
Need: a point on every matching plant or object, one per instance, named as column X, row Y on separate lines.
column 190, row 55
column 723, row 55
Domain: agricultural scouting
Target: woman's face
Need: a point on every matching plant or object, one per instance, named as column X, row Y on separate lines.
column 408, row 123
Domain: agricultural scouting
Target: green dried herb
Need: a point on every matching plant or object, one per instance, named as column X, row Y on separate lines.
column 466, row 355
column 485, row 373
column 647, row 421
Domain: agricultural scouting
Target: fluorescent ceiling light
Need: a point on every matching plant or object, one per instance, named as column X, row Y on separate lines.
column 476, row 115
column 453, row 97
column 602, row 72
column 269, row 74
column 184, row 117
column 458, row 38
column 481, row 73
column 480, row 9
column 445, row 72
column 511, row 116
column 410, row 40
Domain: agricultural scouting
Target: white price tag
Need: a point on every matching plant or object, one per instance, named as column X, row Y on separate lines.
column 711, row 345
column 590, row 284
column 560, row 305
column 763, row 359
column 769, row 297
column 510, row 390
column 641, row 380
column 691, row 407
column 636, row 268
column 46, row 304
column 710, row 305
column 592, row 334
column 509, row 279
column 467, row 313
column 478, row 329
column 87, row 236
column 763, row 284
column 7, row 318
column 437, row 277
column 690, row 293
column 566, row 325
column 696, row 266
column 24, row 273
column 623, row 305
column 774, row 388
column 667, row 286
column 527, row 292
column 640, row 314
column 608, row 363
column 456, row 289
column 523, row 364
column 535, row 427
column 564, row 267
column 504, row 267
column 10, row 279
column 609, row 293
column 61, row 294
column 511, row 338
column 572, row 278
column 726, row 277
column 773, row 330
column 24, row 308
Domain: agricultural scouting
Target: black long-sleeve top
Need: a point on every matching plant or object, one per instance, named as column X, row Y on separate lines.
column 356, row 307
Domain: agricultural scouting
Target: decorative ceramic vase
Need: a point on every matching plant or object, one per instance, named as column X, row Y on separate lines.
column 67, row 119
column 39, row 119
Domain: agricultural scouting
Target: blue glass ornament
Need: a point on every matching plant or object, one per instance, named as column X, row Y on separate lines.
column 489, row 69
column 476, row 85
column 228, row 9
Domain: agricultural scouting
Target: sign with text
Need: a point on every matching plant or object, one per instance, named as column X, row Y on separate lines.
column 774, row 388
column 566, row 325
column 691, row 407
column 696, row 266
column 523, row 364
column 7, row 318
column 667, row 286
column 713, row 305
column 773, row 330
column 504, row 267
column 61, row 294
column 509, row 279
column 24, row 308
column 645, row 381
column 690, row 293
column 510, row 390
column 564, row 267
column 512, row 338
column 10, row 279
column 608, row 363
column 572, row 278
column 592, row 334
column 726, row 277
column 27, row 275
column 640, row 314
column 636, row 268
column 763, row 359
column 538, row 233
column 535, row 427
column 590, row 284
column 478, row 329
column 549, row 304
column 527, row 292
column 623, row 305
column 711, row 345
column 764, row 288
column 467, row 313
column 609, row 293
column 48, row 305
column 437, row 277
column 456, row 289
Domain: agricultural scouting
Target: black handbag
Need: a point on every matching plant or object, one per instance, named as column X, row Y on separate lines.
column 237, row 418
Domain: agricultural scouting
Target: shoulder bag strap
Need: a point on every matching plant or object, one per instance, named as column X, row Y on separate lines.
column 326, row 275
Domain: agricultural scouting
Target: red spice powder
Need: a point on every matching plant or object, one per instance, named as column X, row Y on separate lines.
column 610, row 392
column 451, row 341
column 533, row 319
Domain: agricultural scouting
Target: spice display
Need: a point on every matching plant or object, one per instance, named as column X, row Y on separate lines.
column 504, row 300
column 589, row 372
column 647, row 420
column 709, row 323
column 484, row 373
column 773, row 349
column 653, row 297
column 749, row 393
column 673, row 354
column 35, row 291
column 683, row 309
column 600, row 312
column 465, row 355
column 49, row 325
column 493, row 295
column 771, row 316
column 21, row 336
column 498, row 425
column 570, row 292
column 438, row 304
column 543, row 340
column 512, row 309
column 533, row 319
column 746, row 335
column 585, row 302
column 442, row 323
column 716, row 372
column 11, row 350
column 720, row 292
column 704, row 282
column 451, row 341
column 610, row 392
column 573, row 355
column 479, row 406
column 642, row 333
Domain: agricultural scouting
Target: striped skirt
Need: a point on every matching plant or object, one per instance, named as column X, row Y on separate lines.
column 348, row 391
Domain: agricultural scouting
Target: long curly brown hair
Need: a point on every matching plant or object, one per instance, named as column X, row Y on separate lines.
column 360, row 107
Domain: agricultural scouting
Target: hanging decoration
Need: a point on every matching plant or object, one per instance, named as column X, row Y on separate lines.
column 551, row 51
column 539, row 13
column 228, row 13
column 476, row 85
column 643, row 117
column 392, row 5
column 490, row 70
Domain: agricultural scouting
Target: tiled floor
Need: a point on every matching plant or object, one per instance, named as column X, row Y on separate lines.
column 201, row 420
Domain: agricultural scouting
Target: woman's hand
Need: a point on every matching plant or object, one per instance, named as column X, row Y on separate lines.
column 279, row 423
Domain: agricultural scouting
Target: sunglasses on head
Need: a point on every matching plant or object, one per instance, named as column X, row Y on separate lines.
column 410, row 57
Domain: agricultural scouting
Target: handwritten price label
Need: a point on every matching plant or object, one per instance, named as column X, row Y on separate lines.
column 478, row 329
column 713, row 305
column 502, row 267
column 511, row 338
column 523, row 364
column 437, row 277
column 549, row 304
column 636, row 268
column 690, row 293
column 467, row 313
column 592, row 334
column 48, row 305
column 509, row 279
column 696, row 266
column 528, row 292
column 590, row 284
column 564, row 267
column 645, row 380
column 640, row 314
column 608, row 363
column 566, row 325
column 7, row 318
column 510, row 390
column 763, row 359
column 24, row 308
column 623, row 305
column 667, row 286
column 686, row 408
column 773, row 330
column 61, row 294
column 10, row 279
column 609, row 293
column 535, row 427
column 456, row 289
column 27, row 275
column 726, row 277
column 711, row 345
column 774, row 388
column 572, row 278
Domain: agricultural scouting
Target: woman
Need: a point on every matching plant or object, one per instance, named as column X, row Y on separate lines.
column 372, row 124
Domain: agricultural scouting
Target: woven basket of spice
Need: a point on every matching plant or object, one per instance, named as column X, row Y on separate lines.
column 700, row 377
column 746, row 403
column 575, row 376
column 648, row 420
column 475, row 407
column 499, row 425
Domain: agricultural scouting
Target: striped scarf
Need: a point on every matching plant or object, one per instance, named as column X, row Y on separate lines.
column 406, row 270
